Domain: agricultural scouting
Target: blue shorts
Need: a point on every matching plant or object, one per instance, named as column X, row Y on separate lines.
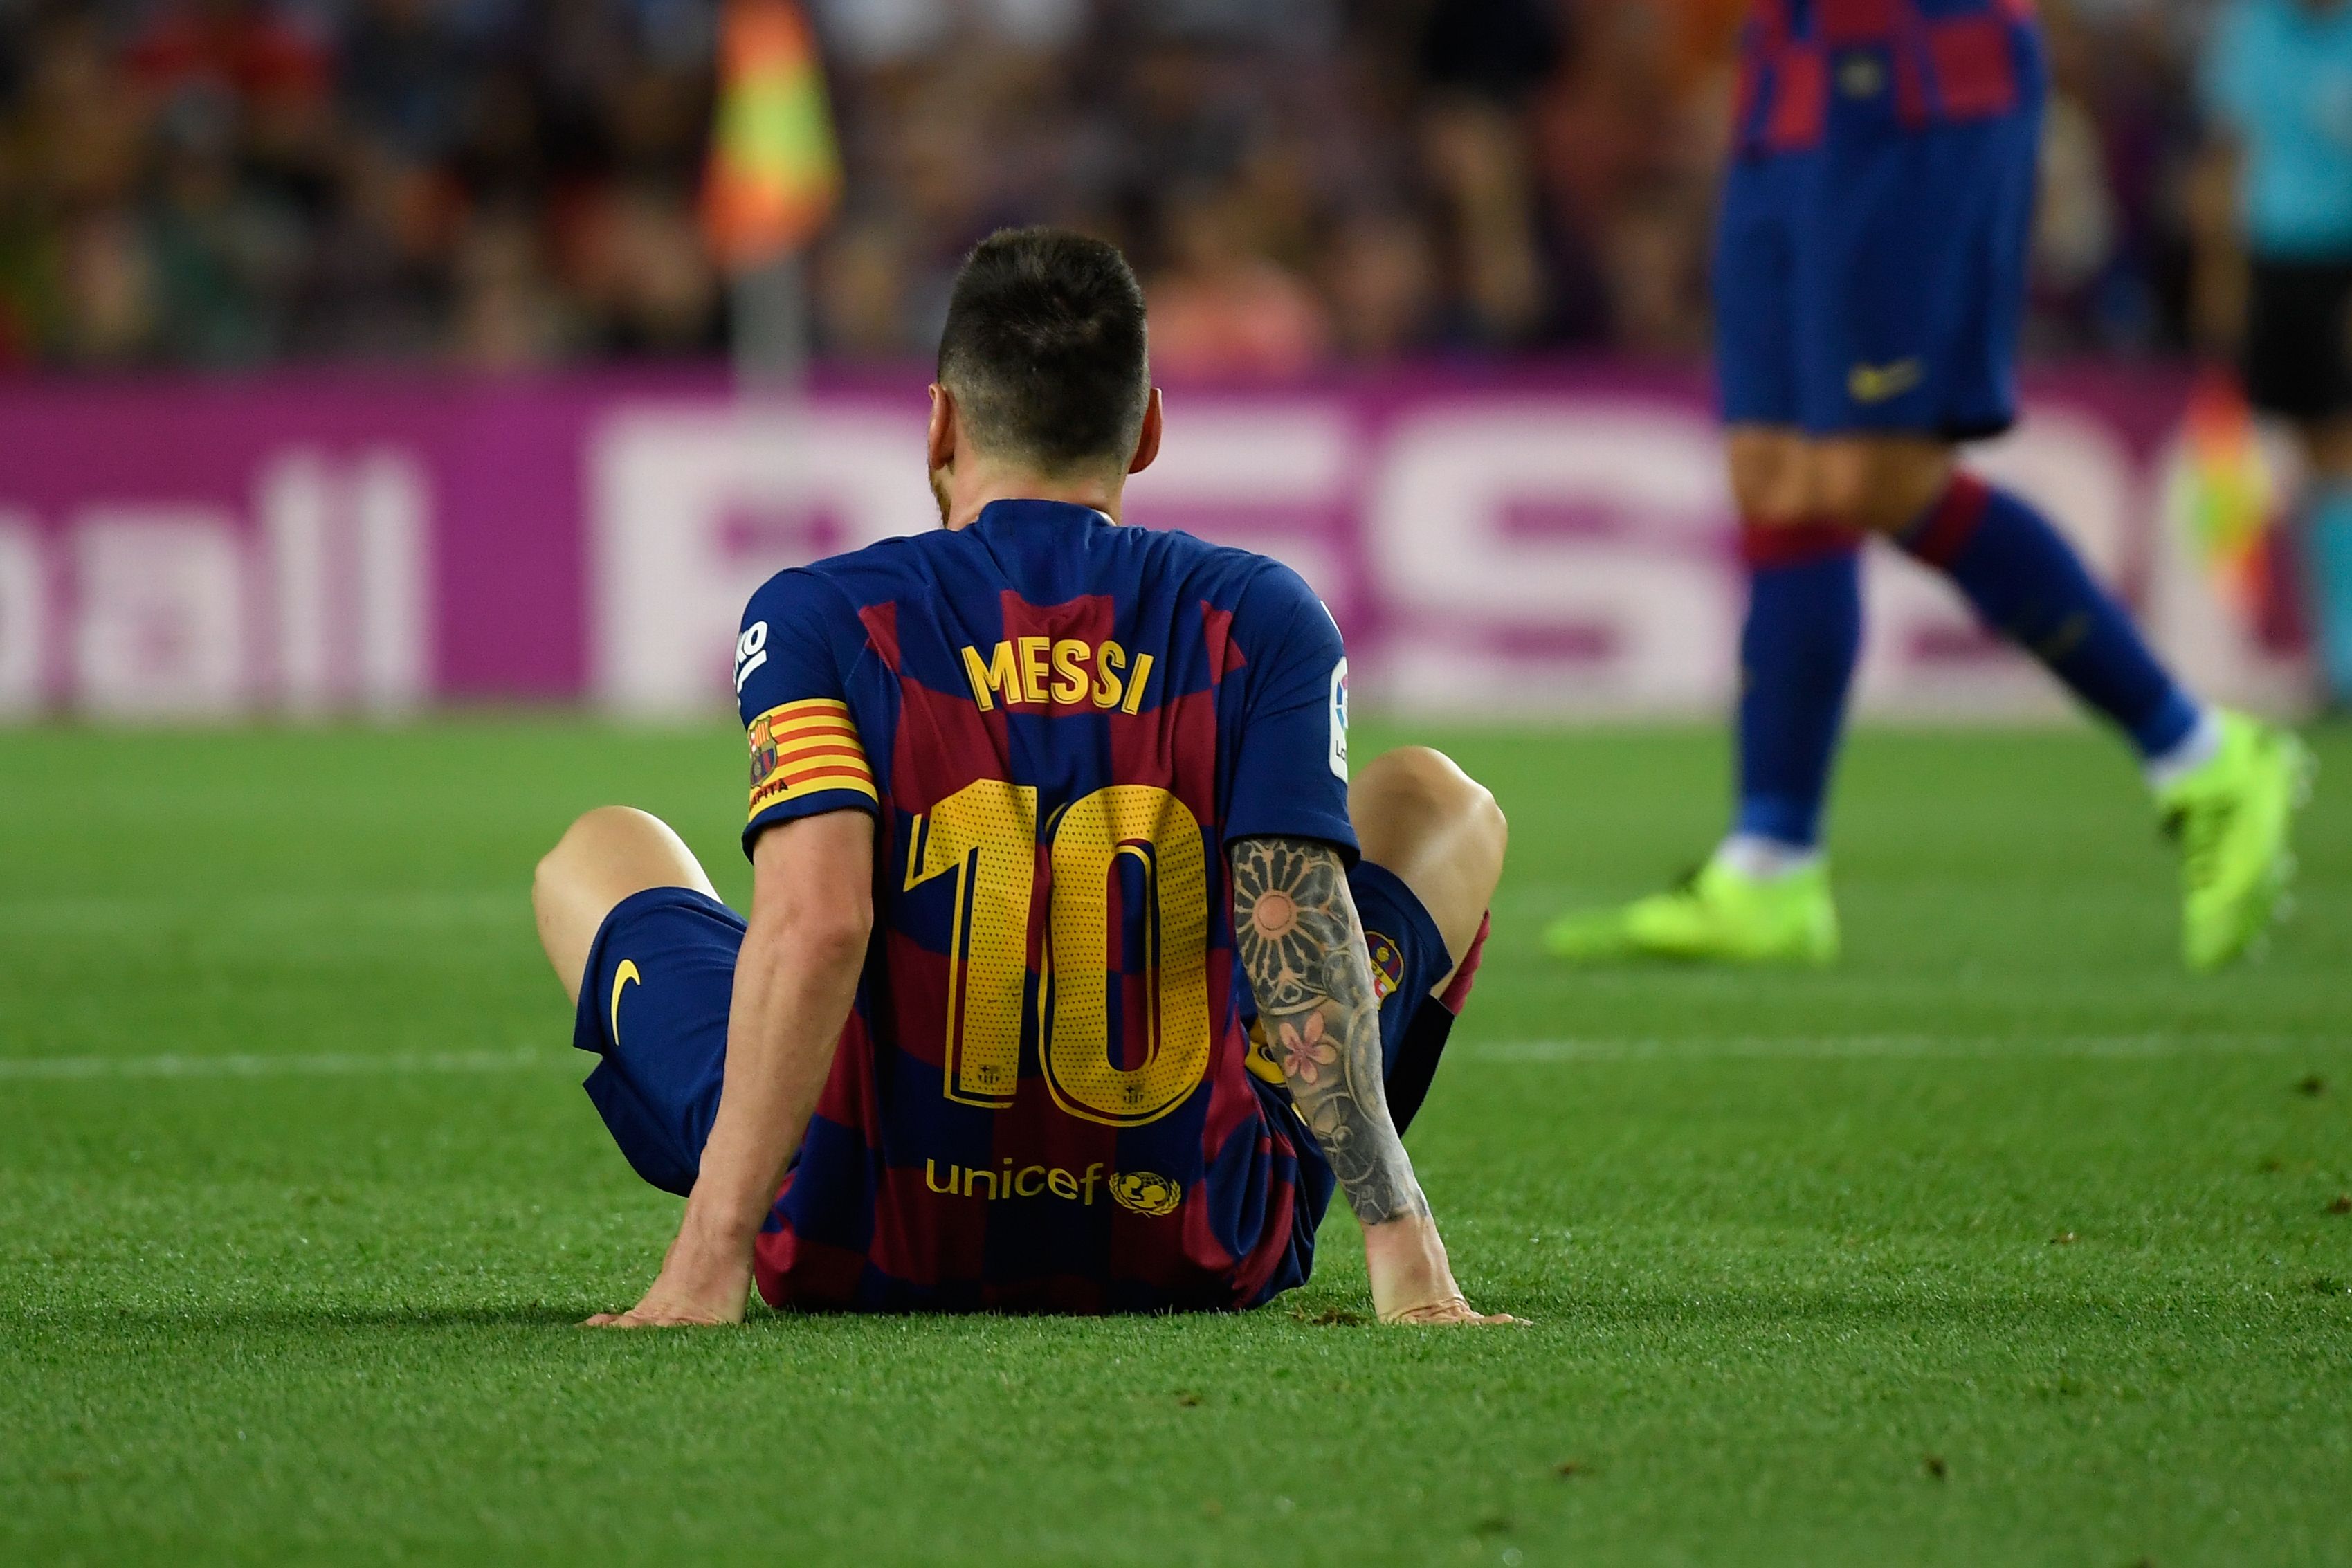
column 1878, row 283
column 660, row 981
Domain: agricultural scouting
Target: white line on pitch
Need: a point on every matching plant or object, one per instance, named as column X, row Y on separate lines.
column 1885, row 1047
column 337, row 1064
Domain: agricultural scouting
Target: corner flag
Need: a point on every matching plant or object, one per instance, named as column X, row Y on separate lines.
column 2225, row 494
column 775, row 171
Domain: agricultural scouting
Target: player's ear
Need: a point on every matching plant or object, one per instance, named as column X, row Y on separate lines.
column 939, row 439
column 1146, row 441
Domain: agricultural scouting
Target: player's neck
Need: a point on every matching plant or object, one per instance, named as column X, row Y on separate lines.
column 964, row 496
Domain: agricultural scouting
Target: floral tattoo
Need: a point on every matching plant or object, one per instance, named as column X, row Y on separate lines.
column 1303, row 949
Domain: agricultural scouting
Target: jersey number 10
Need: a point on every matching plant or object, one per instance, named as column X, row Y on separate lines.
column 986, row 833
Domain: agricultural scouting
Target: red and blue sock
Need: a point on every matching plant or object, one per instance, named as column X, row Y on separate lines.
column 1797, row 654
column 2027, row 583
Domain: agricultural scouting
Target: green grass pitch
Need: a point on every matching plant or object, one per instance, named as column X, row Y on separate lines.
column 2005, row 1243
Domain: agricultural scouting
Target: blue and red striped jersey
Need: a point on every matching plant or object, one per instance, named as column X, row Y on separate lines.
column 1812, row 72
column 1041, row 1100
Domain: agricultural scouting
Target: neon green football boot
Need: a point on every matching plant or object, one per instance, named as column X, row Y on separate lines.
column 2231, row 818
column 1717, row 915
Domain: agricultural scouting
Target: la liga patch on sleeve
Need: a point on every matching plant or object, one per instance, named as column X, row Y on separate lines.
column 1340, row 718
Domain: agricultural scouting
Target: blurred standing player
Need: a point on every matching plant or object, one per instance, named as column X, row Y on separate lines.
column 1870, row 283
column 2278, row 84
column 1055, row 994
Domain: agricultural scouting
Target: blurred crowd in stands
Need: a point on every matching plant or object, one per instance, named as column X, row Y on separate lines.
column 507, row 183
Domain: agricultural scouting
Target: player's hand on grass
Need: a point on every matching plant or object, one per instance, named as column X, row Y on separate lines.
column 1413, row 1283
column 701, row 1283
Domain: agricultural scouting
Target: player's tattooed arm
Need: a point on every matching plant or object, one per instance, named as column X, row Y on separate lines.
column 1302, row 946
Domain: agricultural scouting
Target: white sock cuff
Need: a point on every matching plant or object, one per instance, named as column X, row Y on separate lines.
column 2191, row 751
column 1762, row 859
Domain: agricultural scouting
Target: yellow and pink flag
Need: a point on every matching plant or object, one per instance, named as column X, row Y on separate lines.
column 774, row 174
column 2226, row 493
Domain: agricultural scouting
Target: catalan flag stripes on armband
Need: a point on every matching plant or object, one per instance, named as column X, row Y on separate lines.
column 806, row 748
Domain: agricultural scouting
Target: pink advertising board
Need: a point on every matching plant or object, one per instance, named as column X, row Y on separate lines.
column 1553, row 541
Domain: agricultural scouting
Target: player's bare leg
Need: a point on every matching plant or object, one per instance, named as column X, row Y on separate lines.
column 1876, row 484
column 1419, row 815
column 1770, row 471
column 607, row 855
column 1806, row 504
column 1763, row 896
column 2225, row 785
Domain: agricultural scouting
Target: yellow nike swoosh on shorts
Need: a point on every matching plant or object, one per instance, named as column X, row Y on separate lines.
column 1877, row 382
column 621, row 977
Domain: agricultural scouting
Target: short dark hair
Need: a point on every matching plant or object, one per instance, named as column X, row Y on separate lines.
column 1044, row 349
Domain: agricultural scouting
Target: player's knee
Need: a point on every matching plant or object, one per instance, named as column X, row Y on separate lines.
column 1486, row 834
column 1486, row 816
column 555, row 880
column 1413, row 796
column 1767, row 468
column 561, row 866
column 544, row 882
column 1879, row 484
column 1415, row 781
column 607, row 853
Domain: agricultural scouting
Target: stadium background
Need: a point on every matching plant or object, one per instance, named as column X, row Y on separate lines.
column 369, row 362
column 362, row 355
column 500, row 184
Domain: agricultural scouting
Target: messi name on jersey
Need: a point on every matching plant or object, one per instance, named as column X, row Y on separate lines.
column 1065, row 672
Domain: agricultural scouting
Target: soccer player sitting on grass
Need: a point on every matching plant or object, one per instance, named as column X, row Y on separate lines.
column 1064, row 986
